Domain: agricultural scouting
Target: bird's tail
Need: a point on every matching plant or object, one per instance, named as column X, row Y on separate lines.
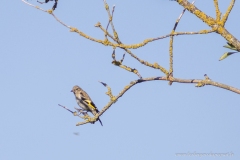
column 100, row 121
column 94, row 113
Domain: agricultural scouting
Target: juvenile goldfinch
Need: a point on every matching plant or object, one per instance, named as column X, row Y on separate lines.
column 84, row 101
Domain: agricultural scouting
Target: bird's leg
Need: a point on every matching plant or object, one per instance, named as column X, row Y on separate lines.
column 80, row 111
column 85, row 115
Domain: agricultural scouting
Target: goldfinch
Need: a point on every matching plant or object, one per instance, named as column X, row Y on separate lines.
column 84, row 101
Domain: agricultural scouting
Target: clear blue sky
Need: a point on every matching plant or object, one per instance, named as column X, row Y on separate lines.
column 41, row 61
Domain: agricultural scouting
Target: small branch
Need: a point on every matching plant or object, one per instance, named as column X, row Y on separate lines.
column 106, row 42
column 171, row 44
column 215, row 25
column 177, row 21
column 225, row 16
column 61, row 21
column 193, row 33
column 33, row 6
column 48, row 11
column 66, row 108
column 109, row 92
column 171, row 58
column 206, row 19
column 105, row 31
column 184, row 33
column 110, row 19
column 203, row 82
column 78, row 113
column 201, row 15
column 218, row 13
column 119, row 64
column 155, row 65
column 85, row 116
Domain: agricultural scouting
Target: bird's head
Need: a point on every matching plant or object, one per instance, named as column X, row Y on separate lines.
column 76, row 89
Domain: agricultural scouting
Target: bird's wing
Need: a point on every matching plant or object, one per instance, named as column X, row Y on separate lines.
column 85, row 95
column 90, row 104
column 93, row 108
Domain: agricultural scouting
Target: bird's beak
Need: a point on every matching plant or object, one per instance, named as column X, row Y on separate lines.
column 71, row 90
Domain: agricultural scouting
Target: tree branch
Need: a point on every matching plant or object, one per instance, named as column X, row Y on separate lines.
column 203, row 82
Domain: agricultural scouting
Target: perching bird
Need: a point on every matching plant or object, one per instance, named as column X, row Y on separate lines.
column 84, row 101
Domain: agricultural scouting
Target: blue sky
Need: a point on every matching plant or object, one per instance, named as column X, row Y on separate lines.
column 41, row 61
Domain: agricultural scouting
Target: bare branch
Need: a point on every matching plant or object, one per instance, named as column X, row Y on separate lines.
column 119, row 64
column 215, row 25
column 33, row 6
column 218, row 13
column 206, row 81
column 171, row 45
column 225, row 16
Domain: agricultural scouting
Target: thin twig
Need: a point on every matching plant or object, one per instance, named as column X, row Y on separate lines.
column 171, row 45
column 225, row 16
column 110, row 18
column 218, row 13
column 33, row 6
column 215, row 25
column 61, row 21
column 66, row 108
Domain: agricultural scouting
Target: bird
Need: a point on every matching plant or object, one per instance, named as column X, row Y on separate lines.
column 84, row 101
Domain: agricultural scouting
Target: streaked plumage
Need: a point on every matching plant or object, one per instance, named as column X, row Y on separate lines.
column 84, row 101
